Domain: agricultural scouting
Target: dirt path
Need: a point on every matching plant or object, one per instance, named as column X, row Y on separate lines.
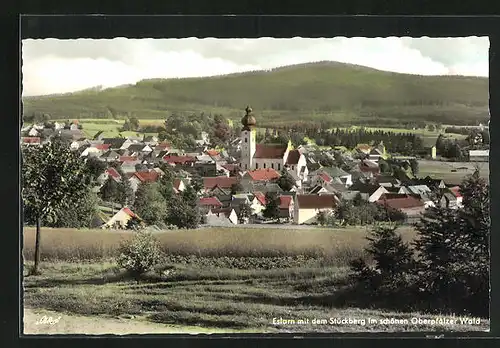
column 44, row 322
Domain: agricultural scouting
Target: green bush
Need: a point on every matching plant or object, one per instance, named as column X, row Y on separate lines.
column 140, row 254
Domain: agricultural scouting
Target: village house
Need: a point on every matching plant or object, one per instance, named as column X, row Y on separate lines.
column 143, row 177
column 207, row 204
column 307, row 207
column 117, row 143
column 448, row 200
column 221, row 217
column 455, row 190
column 120, row 219
column 408, row 204
column 259, row 175
column 109, row 156
column 377, row 153
column 286, row 207
column 479, row 155
column 31, row 141
column 374, row 192
column 109, row 173
column 178, row 185
column 223, row 182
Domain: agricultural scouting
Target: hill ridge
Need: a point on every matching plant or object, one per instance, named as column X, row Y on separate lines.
column 324, row 90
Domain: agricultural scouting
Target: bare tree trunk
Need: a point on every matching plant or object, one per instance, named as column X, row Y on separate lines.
column 37, row 246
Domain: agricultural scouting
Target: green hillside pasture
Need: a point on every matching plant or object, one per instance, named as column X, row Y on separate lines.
column 443, row 170
column 308, row 92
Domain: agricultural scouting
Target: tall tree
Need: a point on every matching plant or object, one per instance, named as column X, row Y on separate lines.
column 149, row 204
column 286, row 182
column 51, row 174
column 272, row 210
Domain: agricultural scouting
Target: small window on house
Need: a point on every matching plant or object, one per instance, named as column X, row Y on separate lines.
column 246, row 167
column 264, row 165
column 279, row 166
column 293, row 167
column 272, row 165
column 246, row 140
column 256, row 166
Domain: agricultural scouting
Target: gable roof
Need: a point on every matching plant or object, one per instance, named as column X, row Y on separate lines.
column 115, row 143
column 316, row 201
column 262, row 174
column 110, row 154
column 325, row 177
column 456, row 191
column 364, row 187
column 270, row 151
column 260, row 197
column 293, row 157
column 285, row 202
column 179, row 159
column 31, row 140
column 212, row 152
column 210, row 201
column 220, row 181
column 103, row 147
column 400, row 201
column 129, row 212
column 150, row 176
column 128, row 159
column 113, row 173
column 136, row 147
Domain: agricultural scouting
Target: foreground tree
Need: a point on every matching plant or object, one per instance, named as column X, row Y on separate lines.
column 51, row 175
column 286, row 182
column 149, row 204
column 453, row 246
column 272, row 210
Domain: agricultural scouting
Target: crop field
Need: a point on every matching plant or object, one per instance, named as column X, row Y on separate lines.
column 110, row 127
column 452, row 172
column 227, row 280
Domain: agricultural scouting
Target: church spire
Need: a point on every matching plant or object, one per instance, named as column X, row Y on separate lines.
column 248, row 121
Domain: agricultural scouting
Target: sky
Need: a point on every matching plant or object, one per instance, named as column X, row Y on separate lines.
column 60, row 66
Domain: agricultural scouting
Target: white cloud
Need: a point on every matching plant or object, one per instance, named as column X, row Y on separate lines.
column 58, row 66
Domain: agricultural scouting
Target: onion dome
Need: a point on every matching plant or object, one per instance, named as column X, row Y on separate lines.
column 248, row 120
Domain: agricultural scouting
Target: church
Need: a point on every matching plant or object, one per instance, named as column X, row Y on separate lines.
column 263, row 156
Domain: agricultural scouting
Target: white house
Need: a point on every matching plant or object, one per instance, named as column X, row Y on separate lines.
column 479, row 155
column 307, row 207
column 120, row 219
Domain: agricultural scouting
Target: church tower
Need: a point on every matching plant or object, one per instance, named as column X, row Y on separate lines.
column 248, row 140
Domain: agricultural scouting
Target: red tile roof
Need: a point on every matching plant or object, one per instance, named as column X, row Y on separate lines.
column 113, row 172
column 325, row 177
column 262, row 174
column 285, row 202
column 210, row 201
column 31, row 140
column 260, row 197
column 103, row 147
column 128, row 159
column 270, row 151
column 456, row 191
column 151, row 176
column 221, row 181
column 316, row 201
column 293, row 157
column 129, row 212
column 212, row 152
column 400, row 201
column 162, row 145
column 179, row 159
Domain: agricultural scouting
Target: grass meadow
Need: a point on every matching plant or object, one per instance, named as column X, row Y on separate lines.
column 452, row 172
column 232, row 279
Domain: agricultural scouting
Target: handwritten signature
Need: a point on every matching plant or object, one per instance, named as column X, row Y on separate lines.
column 45, row 320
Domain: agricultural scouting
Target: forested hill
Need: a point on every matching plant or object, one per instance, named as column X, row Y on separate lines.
column 316, row 91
